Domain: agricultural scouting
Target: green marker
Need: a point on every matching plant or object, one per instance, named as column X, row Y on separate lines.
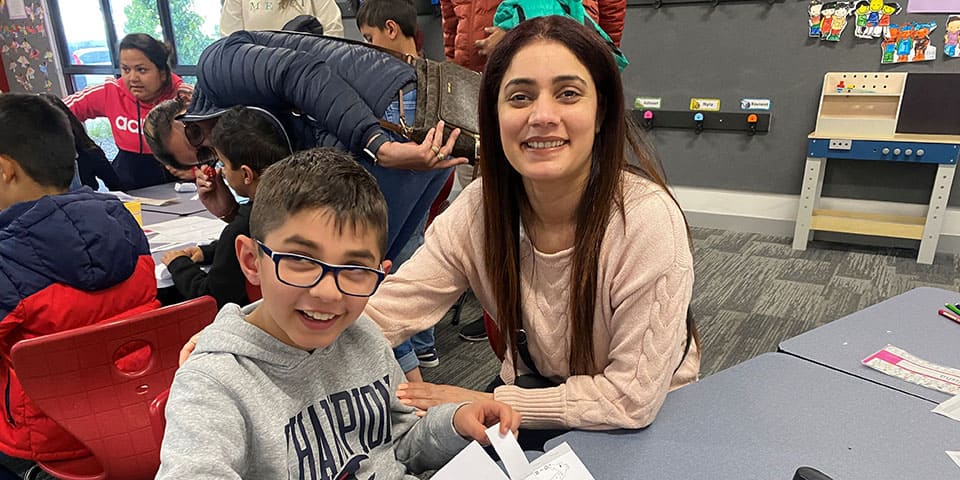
column 953, row 308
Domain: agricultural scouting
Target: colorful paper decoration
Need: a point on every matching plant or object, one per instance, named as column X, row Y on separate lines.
column 951, row 38
column 834, row 20
column 908, row 43
column 815, row 18
column 873, row 18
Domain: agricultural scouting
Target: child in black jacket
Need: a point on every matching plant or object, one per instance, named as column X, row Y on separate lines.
column 246, row 140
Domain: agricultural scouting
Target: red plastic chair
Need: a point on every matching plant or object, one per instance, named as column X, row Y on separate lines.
column 84, row 379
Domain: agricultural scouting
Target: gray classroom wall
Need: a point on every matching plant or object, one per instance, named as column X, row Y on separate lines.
column 753, row 50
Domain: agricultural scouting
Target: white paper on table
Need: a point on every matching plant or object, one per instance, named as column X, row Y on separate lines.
column 511, row 455
column 473, row 463
column 164, row 279
column 949, row 408
column 182, row 232
column 955, row 456
column 156, row 202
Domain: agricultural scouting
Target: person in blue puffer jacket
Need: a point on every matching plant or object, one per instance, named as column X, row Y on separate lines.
column 326, row 92
column 67, row 260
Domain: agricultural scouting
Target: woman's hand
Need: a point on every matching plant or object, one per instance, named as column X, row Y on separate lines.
column 429, row 155
column 213, row 192
column 485, row 46
column 423, row 395
column 472, row 419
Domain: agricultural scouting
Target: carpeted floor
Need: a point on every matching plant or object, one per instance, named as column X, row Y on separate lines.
column 751, row 292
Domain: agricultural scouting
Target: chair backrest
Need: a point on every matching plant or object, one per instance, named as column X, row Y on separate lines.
column 98, row 381
column 253, row 291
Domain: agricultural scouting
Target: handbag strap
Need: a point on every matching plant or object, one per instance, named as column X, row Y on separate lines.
column 524, row 351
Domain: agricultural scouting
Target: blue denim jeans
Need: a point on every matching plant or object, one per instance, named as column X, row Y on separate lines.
column 406, row 352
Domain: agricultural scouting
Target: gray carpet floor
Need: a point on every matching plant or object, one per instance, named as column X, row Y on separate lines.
column 752, row 291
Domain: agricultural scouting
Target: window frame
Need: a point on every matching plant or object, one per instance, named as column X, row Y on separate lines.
column 69, row 70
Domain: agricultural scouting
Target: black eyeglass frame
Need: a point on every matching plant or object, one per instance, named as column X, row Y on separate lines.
column 325, row 267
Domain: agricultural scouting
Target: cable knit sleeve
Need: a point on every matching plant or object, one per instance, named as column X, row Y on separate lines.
column 419, row 294
column 644, row 287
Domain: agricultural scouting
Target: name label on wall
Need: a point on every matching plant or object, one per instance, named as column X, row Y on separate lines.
column 647, row 103
column 705, row 104
column 754, row 104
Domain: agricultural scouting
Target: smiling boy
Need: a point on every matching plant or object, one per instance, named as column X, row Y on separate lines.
column 301, row 385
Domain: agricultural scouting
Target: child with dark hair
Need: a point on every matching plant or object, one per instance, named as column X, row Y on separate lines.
column 247, row 140
column 146, row 79
column 390, row 24
column 67, row 260
column 300, row 384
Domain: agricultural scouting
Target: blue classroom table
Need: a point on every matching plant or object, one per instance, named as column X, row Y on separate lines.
column 764, row 418
column 909, row 321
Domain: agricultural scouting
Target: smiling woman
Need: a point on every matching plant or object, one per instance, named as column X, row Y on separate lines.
column 146, row 80
column 582, row 259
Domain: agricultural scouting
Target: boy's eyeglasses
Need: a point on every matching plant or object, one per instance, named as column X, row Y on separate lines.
column 306, row 272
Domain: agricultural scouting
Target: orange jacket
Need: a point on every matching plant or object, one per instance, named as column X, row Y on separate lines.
column 464, row 21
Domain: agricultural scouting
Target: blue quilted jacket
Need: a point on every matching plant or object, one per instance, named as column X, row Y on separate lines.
column 327, row 93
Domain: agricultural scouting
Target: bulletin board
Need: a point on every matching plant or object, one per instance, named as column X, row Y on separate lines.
column 25, row 48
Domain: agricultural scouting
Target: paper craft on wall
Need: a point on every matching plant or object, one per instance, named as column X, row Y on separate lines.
column 25, row 51
column 813, row 11
column 951, row 37
column 908, row 43
column 834, row 20
column 873, row 18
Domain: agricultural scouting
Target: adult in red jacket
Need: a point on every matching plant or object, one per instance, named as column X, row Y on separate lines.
column 146, row 79
column 465, row 22
column 67, row 259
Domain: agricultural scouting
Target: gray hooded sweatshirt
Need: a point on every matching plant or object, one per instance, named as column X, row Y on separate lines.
column 246, row 405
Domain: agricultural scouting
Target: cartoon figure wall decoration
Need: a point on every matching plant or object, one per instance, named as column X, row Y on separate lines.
column 951, row 38
column 833, row 19
column 873, row 18
column 908, row 43
column 840, row 14
column 815, row 18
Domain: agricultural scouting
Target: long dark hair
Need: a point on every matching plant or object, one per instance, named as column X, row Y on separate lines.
column 159, row 53
column 504, row 197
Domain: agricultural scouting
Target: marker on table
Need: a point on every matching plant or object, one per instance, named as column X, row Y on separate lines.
column 953, row 308
column 949, row 314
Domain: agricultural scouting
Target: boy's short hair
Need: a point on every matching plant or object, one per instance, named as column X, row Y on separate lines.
column 250, row 136
column 35, row 134
column 157, row 127
column 375, row 13
column 314, row 179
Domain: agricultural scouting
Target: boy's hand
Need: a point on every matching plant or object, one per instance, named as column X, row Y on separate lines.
column 195, row 254
column 472, row 419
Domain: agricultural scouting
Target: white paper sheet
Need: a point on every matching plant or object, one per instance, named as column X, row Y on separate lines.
column 955, row 456
column 182, row 232
column 950, row 408
column 511, row 455
column 473, row 463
